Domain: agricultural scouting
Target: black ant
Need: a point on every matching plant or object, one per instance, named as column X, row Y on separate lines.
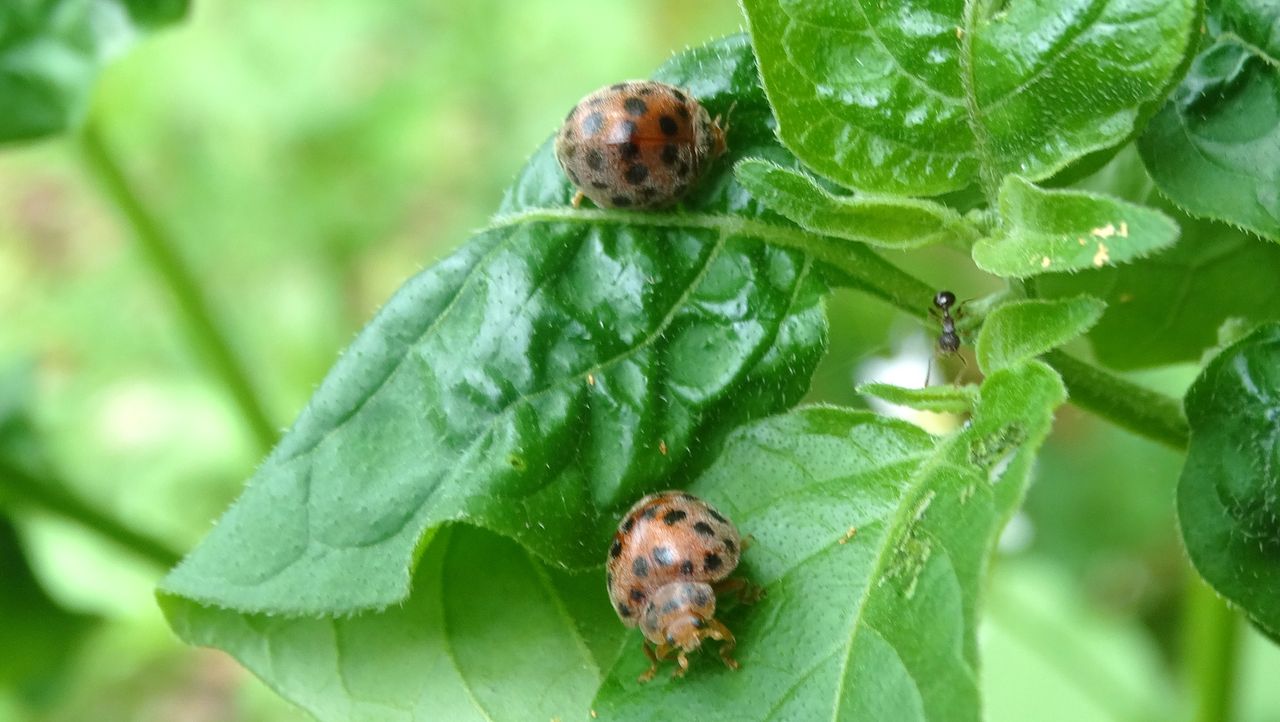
column 948, row 340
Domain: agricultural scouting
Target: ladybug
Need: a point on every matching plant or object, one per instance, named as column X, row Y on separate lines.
column 638, row 144
column 670, row 556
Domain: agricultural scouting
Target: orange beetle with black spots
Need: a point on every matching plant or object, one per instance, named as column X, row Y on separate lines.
column 638, row 144
column 671, row 555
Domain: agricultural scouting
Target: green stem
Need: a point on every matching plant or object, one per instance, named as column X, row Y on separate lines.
column 1210, row 650
column 1123, row 403
column 162, row 253
column 52, row 497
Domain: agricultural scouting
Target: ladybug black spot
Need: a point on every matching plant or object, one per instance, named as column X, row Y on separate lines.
column 664, row 556
column 684, row 112
column 704, row 529
column 682, row 170
column 730, row 546
column 619, row 86
column 716, row 515
column 598, row 185
column 637, row 174
column 680, row 96
column 631, row 520
column 674, row 516
column 670, row 154
column 686, row 566
column 651, row 512
column 640, row 567
column 592, row 124
column 595, row 159
column 624, row 610
column 629, row 150
column 712, row 562
column 668, row 125
column 637, row 595
column 615, row 551
column 620, row 201
column 635, row 106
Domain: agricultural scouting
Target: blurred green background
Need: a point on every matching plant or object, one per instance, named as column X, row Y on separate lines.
column 311, row 156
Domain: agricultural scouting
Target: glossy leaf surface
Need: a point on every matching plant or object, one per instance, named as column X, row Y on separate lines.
column 871, row 539
column 560, row 365
column 1229, row 492
column 1215, row 146
column 922, row 97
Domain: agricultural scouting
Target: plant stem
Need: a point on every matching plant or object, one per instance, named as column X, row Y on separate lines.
column 162, row 253
column 1210, row 650
column 1124, row 403
column 52, row 497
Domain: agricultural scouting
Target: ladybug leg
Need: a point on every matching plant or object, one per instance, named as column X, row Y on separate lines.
column 654, row 659
column 577, row 199
column 717, row 630
column 683, row 661
column 747, row 541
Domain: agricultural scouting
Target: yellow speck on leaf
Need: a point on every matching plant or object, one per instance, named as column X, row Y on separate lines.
column 1102, row 256
column 1106, row 231
column 591, row 379
column 853, row 531
column 662, row 447
column 1124, row 229
column 1044, row 262
column 959, row 32
column 1081, row 240
column 1126, row 297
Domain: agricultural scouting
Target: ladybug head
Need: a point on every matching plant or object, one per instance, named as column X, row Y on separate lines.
column 678, row 615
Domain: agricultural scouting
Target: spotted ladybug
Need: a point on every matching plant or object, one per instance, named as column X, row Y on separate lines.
column 638, row 144
column 671, row 555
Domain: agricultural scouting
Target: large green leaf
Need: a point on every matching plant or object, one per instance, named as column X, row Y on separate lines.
column 1044, row 231
column 537, row 382
column 927, row 96
column 1167, row 308
column 52, row 50
column 490, row 633
column 877, row 623
column 1229, row 492
column 1215, row 146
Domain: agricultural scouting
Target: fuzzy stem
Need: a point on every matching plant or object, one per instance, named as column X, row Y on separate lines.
column 161, row 251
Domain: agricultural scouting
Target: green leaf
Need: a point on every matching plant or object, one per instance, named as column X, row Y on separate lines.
column 1020, row 331
column 946, row 399
column 1214, row 148
column 560, row 365
column 51, row 52
column 888, row 222
column 1067, row 230
column 871, row 539
column 490, row 633
column 1168, row 308
column 924, row 97
column 1229, row 492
